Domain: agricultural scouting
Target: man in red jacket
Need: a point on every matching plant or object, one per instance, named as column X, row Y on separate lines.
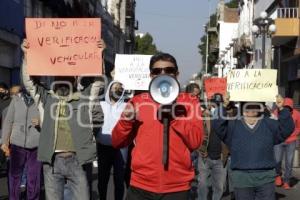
column 287, row 148
column 139, row 124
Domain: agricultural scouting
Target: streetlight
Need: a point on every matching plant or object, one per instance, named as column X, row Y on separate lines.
column 263, row 26
column 206, row 51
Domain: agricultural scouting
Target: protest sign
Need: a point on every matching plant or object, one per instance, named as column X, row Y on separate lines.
column 133, row 71
column 215, row 85
column 253, row 85
column 63, row 46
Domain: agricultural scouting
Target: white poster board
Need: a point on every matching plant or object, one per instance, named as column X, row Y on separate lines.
column 253, row 85
column 133, row 71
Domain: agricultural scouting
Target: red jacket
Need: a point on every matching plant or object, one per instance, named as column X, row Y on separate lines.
column 296, row 117
column 147, row 133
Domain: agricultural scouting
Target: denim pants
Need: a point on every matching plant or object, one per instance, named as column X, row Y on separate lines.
column 21, row 158
column 65, row 169
column 108, row 158
column 264, row 192
column 211, row 173
column 288, row 151
column 88, row 169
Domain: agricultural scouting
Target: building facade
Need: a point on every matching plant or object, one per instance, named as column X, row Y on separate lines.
column 282, row 47
column 11, row 32
column 227, row 33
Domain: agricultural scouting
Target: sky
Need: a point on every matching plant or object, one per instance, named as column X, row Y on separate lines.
column 176, row 27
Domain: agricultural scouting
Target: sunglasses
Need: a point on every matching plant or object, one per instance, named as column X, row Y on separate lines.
column 167, row 70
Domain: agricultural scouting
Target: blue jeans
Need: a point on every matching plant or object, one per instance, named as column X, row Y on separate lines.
column 264, row 192
column 65, row 169
column 288, row 151
column 194, row 158
column 211, row 173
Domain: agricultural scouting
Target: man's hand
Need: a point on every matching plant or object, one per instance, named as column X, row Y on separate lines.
column 35, row 122
column 5, row 149
column 226, row 99
column 279, row 102
column 25, row 46
column 129, row 112
column 101, row 45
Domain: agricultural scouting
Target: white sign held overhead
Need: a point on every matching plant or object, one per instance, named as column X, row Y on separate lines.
column 133, row 71
column 255, row 85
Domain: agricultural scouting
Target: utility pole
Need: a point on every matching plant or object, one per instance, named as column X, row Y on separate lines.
column 263, row 26
column 207, row 39
column 206, row 54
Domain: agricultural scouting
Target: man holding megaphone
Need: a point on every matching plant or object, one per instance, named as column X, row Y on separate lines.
column 165, row 127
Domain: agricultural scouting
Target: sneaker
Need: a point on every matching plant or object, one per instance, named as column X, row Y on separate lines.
column 286, row 186
column 278, row 181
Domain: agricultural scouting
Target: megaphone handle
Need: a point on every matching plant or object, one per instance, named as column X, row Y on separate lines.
column 166, row 123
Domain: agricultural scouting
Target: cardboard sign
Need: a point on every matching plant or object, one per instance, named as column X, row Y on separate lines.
column 253, row 85
column 215, row 85
column 64, row 46
column 133, row 71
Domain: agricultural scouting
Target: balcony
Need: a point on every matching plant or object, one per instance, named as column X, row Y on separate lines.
column 287, row 25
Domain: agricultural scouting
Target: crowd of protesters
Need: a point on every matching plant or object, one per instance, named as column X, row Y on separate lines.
column 52, row 135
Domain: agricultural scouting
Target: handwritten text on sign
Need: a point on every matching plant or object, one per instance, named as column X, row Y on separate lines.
column 215, row 85
column 252, row 85
column 133, row 71
column 63, row 47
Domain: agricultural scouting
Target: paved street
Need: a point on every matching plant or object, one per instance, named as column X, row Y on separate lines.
column 292, row 194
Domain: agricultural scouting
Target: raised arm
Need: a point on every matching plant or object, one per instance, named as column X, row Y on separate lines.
column 37, row 92
column 190, row 129
column 284, row 127
column 124, row 132
column 220, row 124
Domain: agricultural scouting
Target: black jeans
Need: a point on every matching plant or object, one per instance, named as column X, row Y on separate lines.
column 134, row 193
column 109, row 157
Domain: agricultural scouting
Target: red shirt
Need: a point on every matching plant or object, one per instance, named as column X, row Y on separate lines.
column 146, row 131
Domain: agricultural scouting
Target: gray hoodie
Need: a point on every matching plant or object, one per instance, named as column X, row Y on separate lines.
column 17, row 127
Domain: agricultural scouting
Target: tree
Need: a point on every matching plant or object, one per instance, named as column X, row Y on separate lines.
column 145, row 45
column 232, row 4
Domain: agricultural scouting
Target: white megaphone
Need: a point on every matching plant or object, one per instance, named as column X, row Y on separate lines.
column 164, row 89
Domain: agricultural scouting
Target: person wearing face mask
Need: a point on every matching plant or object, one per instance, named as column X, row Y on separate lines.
column 21, row 132
column 67, row 142
column 108, row 156
column 251, row 139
